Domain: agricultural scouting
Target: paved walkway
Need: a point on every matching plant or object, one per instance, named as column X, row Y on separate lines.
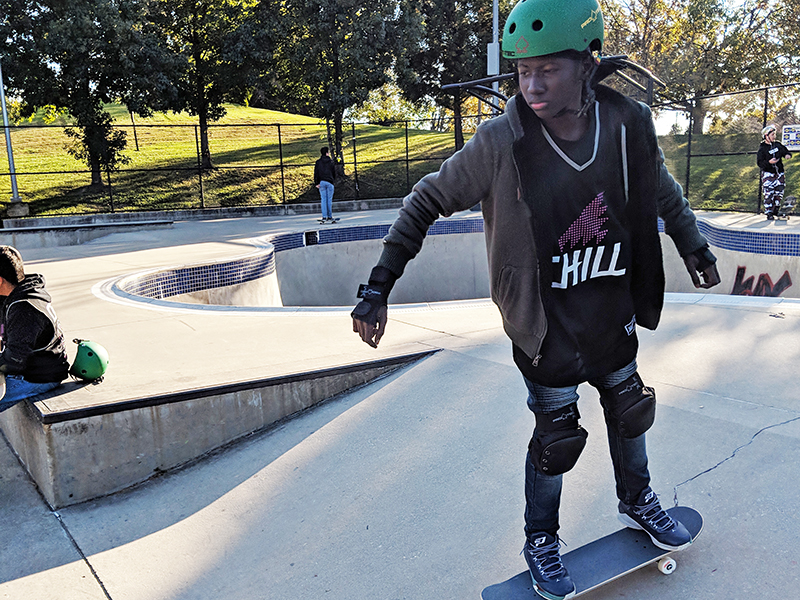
column 410, row 487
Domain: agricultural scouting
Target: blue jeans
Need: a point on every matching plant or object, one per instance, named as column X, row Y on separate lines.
column 629, row 456
column 18, row 389
column 326, row 197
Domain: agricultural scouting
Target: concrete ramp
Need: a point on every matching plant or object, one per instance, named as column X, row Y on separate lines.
column 75, row 454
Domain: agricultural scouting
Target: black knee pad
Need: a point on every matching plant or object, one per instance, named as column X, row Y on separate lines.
column 630, row 406
column 557, row 440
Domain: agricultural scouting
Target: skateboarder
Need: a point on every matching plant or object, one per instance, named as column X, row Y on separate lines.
column 33, row 357
column 571, row 181
column 773, row 183
column 324, row 177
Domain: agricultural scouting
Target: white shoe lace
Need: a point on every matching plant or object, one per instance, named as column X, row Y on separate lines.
column 547, row 559
column 652, row 513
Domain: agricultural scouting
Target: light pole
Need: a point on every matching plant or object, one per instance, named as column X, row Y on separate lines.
column 17, row 208
column 493, row 49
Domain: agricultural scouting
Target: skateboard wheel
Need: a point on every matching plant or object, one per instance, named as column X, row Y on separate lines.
column 667, row 565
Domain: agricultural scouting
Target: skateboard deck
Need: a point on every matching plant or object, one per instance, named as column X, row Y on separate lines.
column 335, row 220
column 603, row 560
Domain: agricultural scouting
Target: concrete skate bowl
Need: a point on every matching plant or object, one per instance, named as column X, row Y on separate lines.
column 317, row 270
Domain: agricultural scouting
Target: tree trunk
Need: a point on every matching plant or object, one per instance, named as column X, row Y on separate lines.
column 97, row 176
column 698, row 116
column 200, row 92
column 205, row 152
column 338, row 152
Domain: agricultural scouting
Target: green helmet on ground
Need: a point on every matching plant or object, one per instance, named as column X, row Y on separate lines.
column 541, row 27
column 91, row 361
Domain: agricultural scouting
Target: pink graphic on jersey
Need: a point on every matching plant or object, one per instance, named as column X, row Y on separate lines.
column 587, row 226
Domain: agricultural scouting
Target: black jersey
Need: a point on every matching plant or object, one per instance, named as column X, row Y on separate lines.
column 766, row 152
column 582, row 230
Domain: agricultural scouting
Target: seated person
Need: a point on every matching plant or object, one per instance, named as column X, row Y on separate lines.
column 33, row 358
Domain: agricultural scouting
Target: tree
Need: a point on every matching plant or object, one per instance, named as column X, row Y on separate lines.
column 335, row 53
column 787, row 34
column 222, row 46
column 386, row 106
column 73, row 55
column 443, row 42
column 698, row 47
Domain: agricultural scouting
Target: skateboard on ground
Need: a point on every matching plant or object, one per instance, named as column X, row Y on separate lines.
column 786, row 209
column 335, row 220
column 604, row 560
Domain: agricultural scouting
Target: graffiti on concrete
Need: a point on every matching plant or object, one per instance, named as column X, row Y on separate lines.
column 764, row 286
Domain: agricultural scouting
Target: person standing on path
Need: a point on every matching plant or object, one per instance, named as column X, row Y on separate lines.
column 773, row 180
column 324, row 177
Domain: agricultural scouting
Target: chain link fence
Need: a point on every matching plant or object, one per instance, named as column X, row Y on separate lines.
column 709, row 144
column 713, row 141
column 252, row 165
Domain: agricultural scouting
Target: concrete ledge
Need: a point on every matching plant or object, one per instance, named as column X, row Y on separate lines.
column 35, row 234
column 204, row 213
column 79, row 454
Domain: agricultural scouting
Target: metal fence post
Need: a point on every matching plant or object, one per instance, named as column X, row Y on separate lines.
column 199, row 167
column 763, row 124
column 280, row 155
column 355, row 158
column 689, row 150
column 408, row 179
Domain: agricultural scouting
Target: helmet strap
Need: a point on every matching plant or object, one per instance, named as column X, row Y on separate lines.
column 588, row 89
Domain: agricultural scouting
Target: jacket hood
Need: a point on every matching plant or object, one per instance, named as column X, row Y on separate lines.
column 513, row 116
column 32, row 287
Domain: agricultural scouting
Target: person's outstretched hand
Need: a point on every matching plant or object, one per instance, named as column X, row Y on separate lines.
column 371, row 330
column 702, row 268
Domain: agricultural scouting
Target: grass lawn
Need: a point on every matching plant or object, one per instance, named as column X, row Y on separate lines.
column 267, row 157
column 260, row 157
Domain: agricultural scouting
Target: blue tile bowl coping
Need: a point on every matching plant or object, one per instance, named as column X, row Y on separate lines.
column 169, row 282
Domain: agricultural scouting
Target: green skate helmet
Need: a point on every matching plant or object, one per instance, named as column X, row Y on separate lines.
column 540, row 27
column 91, row 361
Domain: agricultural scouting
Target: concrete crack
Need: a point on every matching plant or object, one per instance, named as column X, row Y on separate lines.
column 428, row 328
column 55, row 513
column 732, row 455
column 80, row 552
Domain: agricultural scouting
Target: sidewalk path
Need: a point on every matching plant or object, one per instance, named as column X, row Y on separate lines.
column 411, row 487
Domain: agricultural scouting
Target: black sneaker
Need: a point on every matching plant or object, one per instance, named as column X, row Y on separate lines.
column 770, row 217
column 550, row 578
column 647, row 514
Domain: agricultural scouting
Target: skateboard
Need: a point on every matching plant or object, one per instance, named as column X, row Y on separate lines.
column 335, row 220
column 788, row 206
column 604, row 560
